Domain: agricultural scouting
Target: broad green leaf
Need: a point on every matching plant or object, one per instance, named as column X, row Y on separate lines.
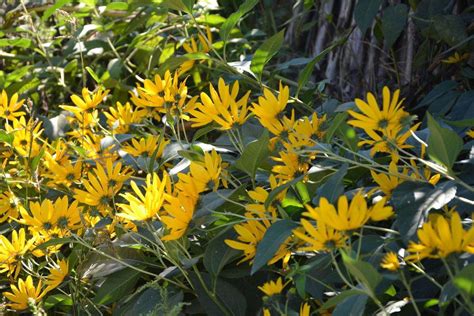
column 18, row 42
column 57, row 299
column 272, row 240
column 55, row 6
column 353, row 305
column 303, row 193
column 229, row 297
column 413, row 200
column 348, row 135
column 180, row 5
column 232, row 20
column 365, row 12
column 274, row 193
column 450, row 29
column 335, row 300
column 305, row 74
column 116, row 286
column 393, row 22
column 54, row 242
column 334, row 186
column 335, row 123
column 6, row 137
column 444, row 145
column 364, row 272
column 265, row 52
column 464, row 280
column 255, row 153
column 218, row 254
column 117, row 6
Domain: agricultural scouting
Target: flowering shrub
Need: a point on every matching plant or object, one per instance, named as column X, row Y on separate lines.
column 191, row 193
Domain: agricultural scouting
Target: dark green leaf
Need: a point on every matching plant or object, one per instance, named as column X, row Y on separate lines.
column 353, row 305
column 335, row 300
column 450, row 29
column 464, row 280
column 364, row 272
column 334, row 186
column 272, row 240
column 335, row 123
column 116, row 286
column 412, row 200
column 274, row 193
column 254, row 155
column 218, row 254
column 232, row 20
column 444, row 145
column 393, row 22
column 365, row 12
column 265, row 52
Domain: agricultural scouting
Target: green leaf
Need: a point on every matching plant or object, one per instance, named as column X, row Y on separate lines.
column 412, row 200
column 117, row 6
column 364, row 272
column 93, row 74
column 274, row 193
column 255, row 153
column 56, row 6
column 116, row 286
column 265, row 52
column 348, row 135
column 365, row 12
column 393, row 22
column 57, row 299
column 232, row 20
column 335, row 300
column 464, row 280
column 334, row 186
column 180, row 5
column 18, row 42
column 54, row 242
column 272, row 240
column 335, row 123
column 218, row 254
column 6, row 137
column 444, row 145
column 450, row 29
column 304, row 75
column 303, row 193
column 353, row 305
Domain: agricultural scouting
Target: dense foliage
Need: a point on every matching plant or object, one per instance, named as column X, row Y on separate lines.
column 177, row 157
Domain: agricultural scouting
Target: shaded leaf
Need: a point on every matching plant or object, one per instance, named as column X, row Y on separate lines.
column 464, row 280
column 393, row 22
column 254, row 155
column 365, row 12
column 334, row 186
column 364, row 272
column 265, row 52
column 232, row 20
column 218, row 254
column 116, row 286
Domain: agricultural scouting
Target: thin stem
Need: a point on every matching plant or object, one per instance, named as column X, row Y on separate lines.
column 410, row 294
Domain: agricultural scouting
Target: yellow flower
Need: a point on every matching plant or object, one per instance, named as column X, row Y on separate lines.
column 11, row 253
column 292, row 166
column 390, row 261
column 389, row 142
column 348, row 216
column 221, row 107
column 455, row 58
column 266, row 312
column 271, row 288
column 321, row 238
column 304, row 130
column 89, row 100
column 21, row 295
column 208, row 172
column 57, row 275
column 147, row 146
column 191, row 47
column 65, row 173
column 25, row 136
column 304, row 309
column 387, row 182
column 179, row 212
column 9, row 110
column 260, row 195
column 9, row 205
column 142, row 207
column 470, row 133
column 269, row 108
column 373, row 118
column 121, row 117
column 439, row 237
column 102, row 186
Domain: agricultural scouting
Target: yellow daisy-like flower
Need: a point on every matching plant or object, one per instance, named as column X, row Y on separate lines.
column 373, row 117
column 221, row 107
column 11, row 253
column 65, row 173
column 387, row 182
column 291, row 166
column 208, row 172
column 9, row 110
column 147, row 146
column 179, row 212
column 455, row 58
column 305, row 309
column 25, row 136
column 271, row 288
column 269, row 109
column 470, row 133
column 192, row 47
column 348, row 216
column 390, row 261
column 122, row 116
column 9, row 206
column 305, row 132
column 57, row 274
column 320, row 238
column 439, row 237
column 142, row 207
column 21, row 295
column 89, row 100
